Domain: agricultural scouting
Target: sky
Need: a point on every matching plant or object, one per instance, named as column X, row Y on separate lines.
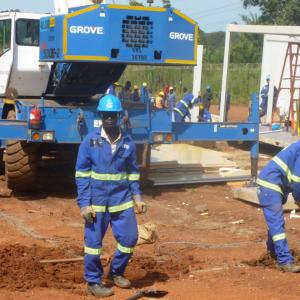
column 211, row 15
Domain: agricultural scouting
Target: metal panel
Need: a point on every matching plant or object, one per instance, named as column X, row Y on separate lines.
column 13, row 130
column 215, row 131
column 117, row 33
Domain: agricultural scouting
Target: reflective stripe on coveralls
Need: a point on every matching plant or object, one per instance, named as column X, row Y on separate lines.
column 269, row 185
column 98, row 176
column 118, row 208
column 92, row 251
column 184, row 103
column 278, row 237
column 290, row 176
column 113, row 209
column 179, row 111
column 124, row 249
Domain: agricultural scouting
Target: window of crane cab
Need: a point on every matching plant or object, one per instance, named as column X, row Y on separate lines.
column 5, row 36
column 27, row 32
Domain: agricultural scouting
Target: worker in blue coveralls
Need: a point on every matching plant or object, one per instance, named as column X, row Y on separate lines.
column 182, row 108
column 277, row 179
column 264, row 97
column 107, row 179
column 204, row 114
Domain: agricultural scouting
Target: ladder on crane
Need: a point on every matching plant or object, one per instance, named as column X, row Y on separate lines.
column 290, row 81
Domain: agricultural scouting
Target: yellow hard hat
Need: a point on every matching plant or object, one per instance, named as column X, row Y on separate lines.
column 135, row 87
column 145, row 84
column 161, row 93
column 116, row 83
column 201, row 106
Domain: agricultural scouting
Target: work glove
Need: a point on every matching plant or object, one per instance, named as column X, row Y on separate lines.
column 140, row 205
column 88, row 213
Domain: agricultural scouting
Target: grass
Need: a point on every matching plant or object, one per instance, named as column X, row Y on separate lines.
column 243, row 79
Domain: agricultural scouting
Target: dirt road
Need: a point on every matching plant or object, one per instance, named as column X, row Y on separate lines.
column 219, row 255
column 197, row 256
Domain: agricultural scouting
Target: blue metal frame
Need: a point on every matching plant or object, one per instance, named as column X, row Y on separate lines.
column 72, row 124
column 144, row 123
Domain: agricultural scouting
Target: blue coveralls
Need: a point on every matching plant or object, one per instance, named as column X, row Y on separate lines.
column 107, row 182
column 144, row 95
column 264, row 99
column 182, row 108
column 280, row 177
column 206, row 116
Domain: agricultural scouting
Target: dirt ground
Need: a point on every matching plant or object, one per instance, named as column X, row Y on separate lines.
column 218, row 255
column 236, row 113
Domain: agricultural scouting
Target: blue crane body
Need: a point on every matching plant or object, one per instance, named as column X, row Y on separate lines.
column 89, row 48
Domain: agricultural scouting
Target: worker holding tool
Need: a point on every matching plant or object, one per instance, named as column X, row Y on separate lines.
column 280, row 177
column 107, row 179
column 182, row 108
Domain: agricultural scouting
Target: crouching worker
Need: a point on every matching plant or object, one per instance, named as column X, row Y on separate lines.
column 204, row 114
column 280, row 177
column 107, row 179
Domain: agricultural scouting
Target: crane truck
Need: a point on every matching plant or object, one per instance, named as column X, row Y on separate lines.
column 54, row 67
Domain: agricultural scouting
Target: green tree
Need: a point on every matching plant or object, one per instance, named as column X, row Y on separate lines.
column 135, row 3
column 247, row 48
column 279, row 12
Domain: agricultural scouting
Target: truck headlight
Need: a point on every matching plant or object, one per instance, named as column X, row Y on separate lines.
column 48, row 136
column 158, row 137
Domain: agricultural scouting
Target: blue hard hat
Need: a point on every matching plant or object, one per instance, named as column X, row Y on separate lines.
column 109, row 103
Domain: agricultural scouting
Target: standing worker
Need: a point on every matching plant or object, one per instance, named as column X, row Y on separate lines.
column 264, row 93
column 107, row 179
column 277, row 179
column 125, row 93
column 135, row 96
column 207, row 97
column 144, row 92
column 171, row 101
column 182, row 108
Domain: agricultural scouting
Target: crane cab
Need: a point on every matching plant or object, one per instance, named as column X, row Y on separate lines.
column 20, row 69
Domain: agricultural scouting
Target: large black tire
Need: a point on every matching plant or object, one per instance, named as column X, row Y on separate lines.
column 2, row 167
column 20, row 163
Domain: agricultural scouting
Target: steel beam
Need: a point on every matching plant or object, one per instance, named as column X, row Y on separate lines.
column 215, row 131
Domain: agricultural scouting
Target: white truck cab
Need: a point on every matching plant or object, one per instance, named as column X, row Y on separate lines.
column 20, row 68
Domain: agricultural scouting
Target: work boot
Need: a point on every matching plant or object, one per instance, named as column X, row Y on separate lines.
column 99, row 291
column 120, row 281
column 292, row 268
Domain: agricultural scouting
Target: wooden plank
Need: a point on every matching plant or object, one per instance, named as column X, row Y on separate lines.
column 249, row 195
column 186, row 154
